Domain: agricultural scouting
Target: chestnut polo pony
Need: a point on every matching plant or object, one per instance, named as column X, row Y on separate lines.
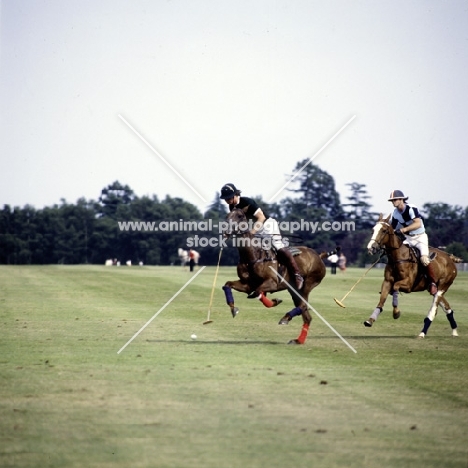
column 261, row 271
column 404, row 273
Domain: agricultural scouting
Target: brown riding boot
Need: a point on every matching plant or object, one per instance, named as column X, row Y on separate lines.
column 293, row 266
column 430, row 273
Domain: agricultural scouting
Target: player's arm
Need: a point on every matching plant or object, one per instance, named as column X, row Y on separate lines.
column 416, row 224
column 259, row 220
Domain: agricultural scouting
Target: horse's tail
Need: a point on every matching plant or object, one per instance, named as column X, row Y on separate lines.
column 455, row 259
column 336, row 250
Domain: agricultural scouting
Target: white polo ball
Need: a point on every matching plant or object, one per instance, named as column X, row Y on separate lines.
column 193, row 336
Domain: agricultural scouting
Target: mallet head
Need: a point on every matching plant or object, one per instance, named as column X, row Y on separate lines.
column 339, row 303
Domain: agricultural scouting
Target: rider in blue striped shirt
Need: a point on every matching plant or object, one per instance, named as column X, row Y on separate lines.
column 406, row 220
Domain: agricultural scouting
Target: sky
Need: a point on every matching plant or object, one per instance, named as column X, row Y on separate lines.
column 178, row 97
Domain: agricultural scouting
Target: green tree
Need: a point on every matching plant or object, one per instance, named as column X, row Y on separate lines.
column 459, row 250
column 358, row 208
column 316, row 190
column 444, row 223
column 217, row 209
column 316, row 200
column 114, row 196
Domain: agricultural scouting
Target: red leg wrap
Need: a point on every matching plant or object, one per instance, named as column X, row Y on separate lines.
column 303, row 335
column 265, row 301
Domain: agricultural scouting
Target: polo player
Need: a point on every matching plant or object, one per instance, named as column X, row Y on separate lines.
column 264, row 226
column 408, row 224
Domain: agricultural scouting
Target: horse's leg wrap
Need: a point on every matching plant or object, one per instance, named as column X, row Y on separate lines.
column 294, row 313
column 451, row 320
column 265, row 300
column 230, row 300
column 290, row 315
column 373, row 317
column 303, row 336
column 427, row 324
column 228, row 293
column 376, row 313
column 395, row 299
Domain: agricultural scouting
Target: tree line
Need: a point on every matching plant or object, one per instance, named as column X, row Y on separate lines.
column 88, row 231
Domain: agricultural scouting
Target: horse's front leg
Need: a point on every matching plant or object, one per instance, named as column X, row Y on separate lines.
column 269, row 285
column 406, row 286
column 387, row 286
column 238, row 286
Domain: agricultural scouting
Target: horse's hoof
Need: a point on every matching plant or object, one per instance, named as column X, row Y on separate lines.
column 234, row 311
column 368, row 323
column 293, row 342
column 454, row 332
column 284, row 321
column 253, row 295
column 396, row 315
column 421, row 335
column 276, row 302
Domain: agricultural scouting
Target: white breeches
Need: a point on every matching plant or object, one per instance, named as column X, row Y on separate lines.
column 270, row 230
column 421, row 242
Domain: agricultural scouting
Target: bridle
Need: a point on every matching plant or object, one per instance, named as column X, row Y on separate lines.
column 261, row 258
column 237, row 232
column 386, row 230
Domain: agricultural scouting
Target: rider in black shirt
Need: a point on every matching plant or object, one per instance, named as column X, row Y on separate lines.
column 264, row 226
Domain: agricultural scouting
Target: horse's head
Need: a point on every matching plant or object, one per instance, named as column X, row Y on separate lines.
column 236, row 222
column 381, row 234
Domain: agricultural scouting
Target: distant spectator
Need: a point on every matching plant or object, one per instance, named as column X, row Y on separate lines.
column 342, row 262
column 333, row 259
column 193, row 258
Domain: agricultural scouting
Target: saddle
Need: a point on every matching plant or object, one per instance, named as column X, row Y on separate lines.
column 271, row 255
column 415, row 257
column 283, row 268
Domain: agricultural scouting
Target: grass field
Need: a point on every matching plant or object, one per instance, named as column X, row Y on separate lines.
column 238, row 396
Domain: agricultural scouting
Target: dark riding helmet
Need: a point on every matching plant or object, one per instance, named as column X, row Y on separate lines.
column 396, row 195
column 228, row 191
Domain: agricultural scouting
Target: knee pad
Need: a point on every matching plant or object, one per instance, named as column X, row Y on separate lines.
column 425, row 260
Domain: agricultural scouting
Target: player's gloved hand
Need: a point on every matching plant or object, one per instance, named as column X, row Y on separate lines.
column 399, row 234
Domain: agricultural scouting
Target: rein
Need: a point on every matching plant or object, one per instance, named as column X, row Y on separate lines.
column 387, row 247
column 254, row 250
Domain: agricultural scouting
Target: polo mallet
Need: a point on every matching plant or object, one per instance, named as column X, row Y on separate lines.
column 207, row 321
column 340, row 303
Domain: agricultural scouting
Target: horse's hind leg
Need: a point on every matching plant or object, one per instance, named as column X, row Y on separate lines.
column 290, row 315
column 449, row 314
column 301, row 309
column 306, row 318
column 431, row 314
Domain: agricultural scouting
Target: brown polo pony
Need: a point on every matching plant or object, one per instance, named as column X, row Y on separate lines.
column 405, row 273
column 260, row 272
